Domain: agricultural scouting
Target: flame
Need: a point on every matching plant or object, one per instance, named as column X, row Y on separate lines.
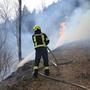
column 60, row 40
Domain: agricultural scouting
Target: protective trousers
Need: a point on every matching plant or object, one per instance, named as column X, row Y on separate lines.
column 41, row 52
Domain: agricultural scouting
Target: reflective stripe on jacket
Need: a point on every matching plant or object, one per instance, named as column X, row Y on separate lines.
column 40, row 40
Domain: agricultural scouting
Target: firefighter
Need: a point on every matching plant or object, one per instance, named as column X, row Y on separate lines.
column 40, row 41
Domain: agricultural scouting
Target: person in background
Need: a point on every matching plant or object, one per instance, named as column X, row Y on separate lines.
column 40, row 41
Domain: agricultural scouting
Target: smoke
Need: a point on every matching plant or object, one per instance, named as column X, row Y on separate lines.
column 75, row 14
column 52, row 16
column 78, row 25
column 68, row 11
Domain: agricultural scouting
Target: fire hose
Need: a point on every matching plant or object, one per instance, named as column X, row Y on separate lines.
column 54, row 63
column 65, row 82
column 55, row 59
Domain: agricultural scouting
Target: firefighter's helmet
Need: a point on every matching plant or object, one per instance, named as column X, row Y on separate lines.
column 36, row 27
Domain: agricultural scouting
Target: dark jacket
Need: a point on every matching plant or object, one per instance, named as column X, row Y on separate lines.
column 40, row 39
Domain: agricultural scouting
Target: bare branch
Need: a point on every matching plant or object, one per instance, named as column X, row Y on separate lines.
column 5, row 53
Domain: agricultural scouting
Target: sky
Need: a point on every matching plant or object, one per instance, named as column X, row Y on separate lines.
column 37, row 5
column 30, row 4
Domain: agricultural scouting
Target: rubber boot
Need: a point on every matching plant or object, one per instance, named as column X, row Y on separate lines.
column 46, row 72
column 35, row 73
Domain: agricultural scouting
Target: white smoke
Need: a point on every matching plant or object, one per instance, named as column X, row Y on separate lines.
column 78, row 26
column 77, row 23
column 51, row 17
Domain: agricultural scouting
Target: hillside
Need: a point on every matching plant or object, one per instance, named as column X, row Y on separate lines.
column 76, row 71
